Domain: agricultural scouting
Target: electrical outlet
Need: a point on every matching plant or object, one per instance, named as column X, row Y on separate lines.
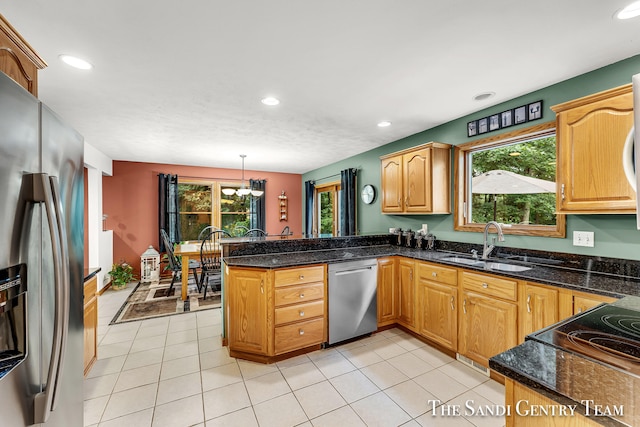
column 583, row 238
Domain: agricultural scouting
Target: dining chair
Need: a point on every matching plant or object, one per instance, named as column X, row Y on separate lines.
column 174, row 264
column 255, row 232
column 208, row 229
column 210, row 261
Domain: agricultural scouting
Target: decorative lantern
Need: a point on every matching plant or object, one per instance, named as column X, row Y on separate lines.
column 150, row 266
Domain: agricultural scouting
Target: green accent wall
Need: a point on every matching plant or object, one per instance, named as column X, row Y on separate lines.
column 615, row 236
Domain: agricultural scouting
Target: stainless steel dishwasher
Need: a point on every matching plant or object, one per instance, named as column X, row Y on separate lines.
column 353, row 308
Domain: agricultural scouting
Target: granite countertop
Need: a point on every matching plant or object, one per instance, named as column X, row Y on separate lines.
column 89, row 272
column 612, row 285
column 571, row 378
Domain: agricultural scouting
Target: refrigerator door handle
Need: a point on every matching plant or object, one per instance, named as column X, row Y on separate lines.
column 47, row 189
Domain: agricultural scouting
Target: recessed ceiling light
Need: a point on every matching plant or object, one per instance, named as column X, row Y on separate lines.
column 630, row 11
column 271, row 101
column 384, row 124
column 484, row 95
column 76, row 62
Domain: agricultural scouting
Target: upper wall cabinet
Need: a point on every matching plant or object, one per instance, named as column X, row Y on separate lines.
column 417, row 180
column 591, row 133
column 17, row 59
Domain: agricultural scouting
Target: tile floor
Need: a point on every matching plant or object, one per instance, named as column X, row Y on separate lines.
column 173, row 371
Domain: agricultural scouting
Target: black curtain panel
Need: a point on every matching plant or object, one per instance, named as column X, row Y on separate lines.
column 309, row 190
column 168, row 212
column 348, row 201
column 257, row 218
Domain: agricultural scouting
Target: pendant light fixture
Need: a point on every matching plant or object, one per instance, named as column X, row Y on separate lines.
column 242, row 191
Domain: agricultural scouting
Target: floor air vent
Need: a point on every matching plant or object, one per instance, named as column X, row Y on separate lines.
column 472, row 364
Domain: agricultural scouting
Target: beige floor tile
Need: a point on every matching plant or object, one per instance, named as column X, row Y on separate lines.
column 182, row 323
column 115, row 336
column 99, row 386
column 318, row 399
column 379, row 410
column 244, row 418
column 429, row 420
column 112, row 350
column 386, row 348
column 93, row 410
column 440, row 385
column 384, row 375
column 408, row 342
column 362, row 356
column 225, row 400
column 253, row 369
column 492, row 390
column 334, row 364
column 302, row 375
column 179, row 413
column 410, row 365
column 354, row 386
column 479, row 415
column 178, row 351
column 106, row 366
column 137, row 419
column 138, row 377
column 220, row 376
column 216, row 358
column 464, row 374
column 344, row 416
column 130, row 401
column 412, row 398
column 267, row 387
column 177, row 367
column 178, row 388
column 148, row 343
column 433, row 357
column 209, row 344
column 143, row 358
column 280, row 412
column 180, row 337
column 293, row 361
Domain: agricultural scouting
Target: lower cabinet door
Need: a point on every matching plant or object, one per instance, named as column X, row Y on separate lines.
column 488, row 326
column 438, row 318
column 247, row 302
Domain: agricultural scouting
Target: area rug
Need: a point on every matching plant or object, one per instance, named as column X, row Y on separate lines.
column 149, row 300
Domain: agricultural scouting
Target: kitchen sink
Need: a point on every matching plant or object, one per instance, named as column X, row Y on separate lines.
column 488, row 265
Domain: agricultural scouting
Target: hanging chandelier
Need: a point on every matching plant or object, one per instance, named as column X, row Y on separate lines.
column 242, row 191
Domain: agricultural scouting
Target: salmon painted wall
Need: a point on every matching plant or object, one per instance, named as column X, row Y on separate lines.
column 130, row 199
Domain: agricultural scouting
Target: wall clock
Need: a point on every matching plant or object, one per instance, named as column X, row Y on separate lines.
column 368, row 194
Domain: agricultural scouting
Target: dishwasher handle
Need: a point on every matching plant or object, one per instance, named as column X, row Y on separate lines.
column 355, row 270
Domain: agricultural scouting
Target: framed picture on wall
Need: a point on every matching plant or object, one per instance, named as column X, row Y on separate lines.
column 506, row 118
column 535, row 110
column 483, row 125
column 520, row 115
column 494, row 122
column 472, row 128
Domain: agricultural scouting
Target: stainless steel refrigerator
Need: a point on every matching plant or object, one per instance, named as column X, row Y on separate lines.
column 41, row 271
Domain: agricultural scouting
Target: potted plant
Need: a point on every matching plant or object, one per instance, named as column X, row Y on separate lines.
column 121, row 273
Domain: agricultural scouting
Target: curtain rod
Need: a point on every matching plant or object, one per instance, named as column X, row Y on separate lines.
column 331, row 176
column 207, row 177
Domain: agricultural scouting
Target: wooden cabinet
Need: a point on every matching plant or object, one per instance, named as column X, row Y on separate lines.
column 538, row 308
column 584, row 301
column 18, row 60
column 417, row 180
column 591, row 133
column 488, row 316
column 406, row 290
column 387, row 291
column 250, row 321
column 299, row 308
column 272, row 312
column 437, row 304
column 90, row 323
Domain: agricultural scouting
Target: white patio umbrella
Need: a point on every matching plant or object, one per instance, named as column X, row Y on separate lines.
column 505, row 182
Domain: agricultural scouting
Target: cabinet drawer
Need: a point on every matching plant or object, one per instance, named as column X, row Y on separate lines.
column 299, row 335
column 438, row 273
column 297, row 312
column 488, row 285
column 296, row 294
column 296, row 276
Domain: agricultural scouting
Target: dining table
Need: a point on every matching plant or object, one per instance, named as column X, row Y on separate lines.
column 186, row 251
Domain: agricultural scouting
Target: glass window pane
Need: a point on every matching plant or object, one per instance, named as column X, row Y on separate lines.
column 325, row 213
column 192, row 224
column 194, row 197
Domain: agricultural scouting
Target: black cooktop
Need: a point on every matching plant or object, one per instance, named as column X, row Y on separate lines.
column 608, row 334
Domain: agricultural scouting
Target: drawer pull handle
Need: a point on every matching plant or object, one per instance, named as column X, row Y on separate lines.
column 301, row 295
column 453, row 308
column 301, row 313
column 301, row 331
column 484, row 285
column 301, row 277
column 529, row 303
column 464, row 306
column 434, row 274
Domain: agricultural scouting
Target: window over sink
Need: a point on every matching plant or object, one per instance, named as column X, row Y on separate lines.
column 509, row 178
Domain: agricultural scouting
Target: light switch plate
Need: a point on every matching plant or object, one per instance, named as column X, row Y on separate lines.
column 583, row 238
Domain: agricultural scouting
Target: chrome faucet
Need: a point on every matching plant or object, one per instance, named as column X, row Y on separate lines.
column 486, row 249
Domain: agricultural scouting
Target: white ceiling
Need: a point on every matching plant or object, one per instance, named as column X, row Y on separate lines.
column 181, row 81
